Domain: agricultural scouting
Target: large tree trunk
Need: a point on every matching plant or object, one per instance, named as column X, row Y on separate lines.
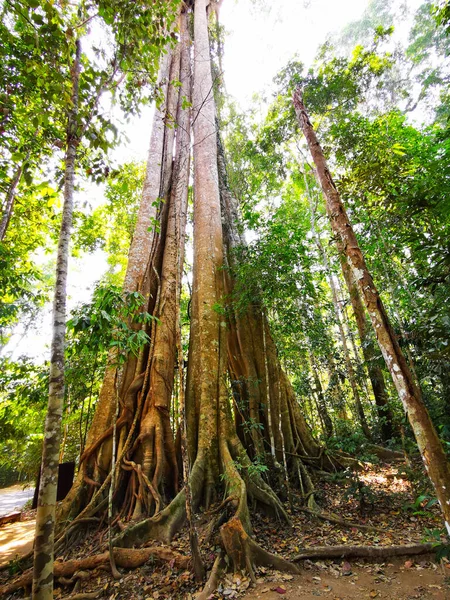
column 220, row 453
column 215, row 450
column 428, row 442
column 146, row 460
column 45, row 516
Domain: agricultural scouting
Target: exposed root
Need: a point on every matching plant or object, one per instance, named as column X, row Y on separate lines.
column 168, row 522
column 363, row 551
column 124, row 557
column 213, row 580
column 338, row 521
column 98, row 442
column 86, row 595
column 221, row 506
column 245, row 553
column 76, row 577
column 385, row 453
column 161, row 527
column 197, row 563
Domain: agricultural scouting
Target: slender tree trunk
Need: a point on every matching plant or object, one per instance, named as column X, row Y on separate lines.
column 350, row 336
column 428, row 442
column 10, row 197
column 348, row 361
column 321, row 402
column 45, row 517
column 375, row 373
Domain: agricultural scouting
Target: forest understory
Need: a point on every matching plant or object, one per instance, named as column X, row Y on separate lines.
column 380, row 508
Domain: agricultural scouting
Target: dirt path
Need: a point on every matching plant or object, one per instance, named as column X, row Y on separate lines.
column 15, row 539
column 396, row 580
column 13, row 498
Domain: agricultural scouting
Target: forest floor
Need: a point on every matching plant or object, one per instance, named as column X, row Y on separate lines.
column 381, row 497
column 396, row 579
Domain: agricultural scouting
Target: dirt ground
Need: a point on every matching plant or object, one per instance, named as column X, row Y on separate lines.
column 388, row 513
column 397, row 580
column 15, row 539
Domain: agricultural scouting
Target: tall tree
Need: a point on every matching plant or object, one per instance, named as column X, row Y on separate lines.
column 45, row 516
column 221, row 447
column 82, row 118
column 430, row 447
column 369, row 352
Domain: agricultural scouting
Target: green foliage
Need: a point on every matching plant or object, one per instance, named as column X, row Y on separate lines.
column 418, row 479
column 122, row 43
column 392, row 172
column 442, row 15
column 435, row 536
column 112, row 321
column 23, row 403
column 350, row 441
column 110, row 226
column 420, row 505
column 257, row 467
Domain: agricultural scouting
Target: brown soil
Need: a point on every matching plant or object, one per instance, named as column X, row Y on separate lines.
column 16, row 539
column 390, row 506
column 340, row 580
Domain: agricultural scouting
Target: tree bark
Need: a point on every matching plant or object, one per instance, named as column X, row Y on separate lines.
column 45, row 516
column 144, row 255
column 263, row 394
column 215, row 451
column 348, row 362
column 128, row 558
column 410, row 395
column 321, row 401
column 363, row 551
column 374, row 370
column 10, row 198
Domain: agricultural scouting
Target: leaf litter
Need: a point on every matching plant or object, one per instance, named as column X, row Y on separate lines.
column 337, row 579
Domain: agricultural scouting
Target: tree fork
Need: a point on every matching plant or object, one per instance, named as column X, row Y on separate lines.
column 427, row 439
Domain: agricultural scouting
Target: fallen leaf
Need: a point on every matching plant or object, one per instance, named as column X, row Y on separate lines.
column 346, row 568
column 280, row 590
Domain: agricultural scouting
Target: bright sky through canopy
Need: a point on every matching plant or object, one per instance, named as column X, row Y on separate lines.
column 263, row 36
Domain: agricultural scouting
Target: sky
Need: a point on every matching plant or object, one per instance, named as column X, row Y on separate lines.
column 261, row 36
